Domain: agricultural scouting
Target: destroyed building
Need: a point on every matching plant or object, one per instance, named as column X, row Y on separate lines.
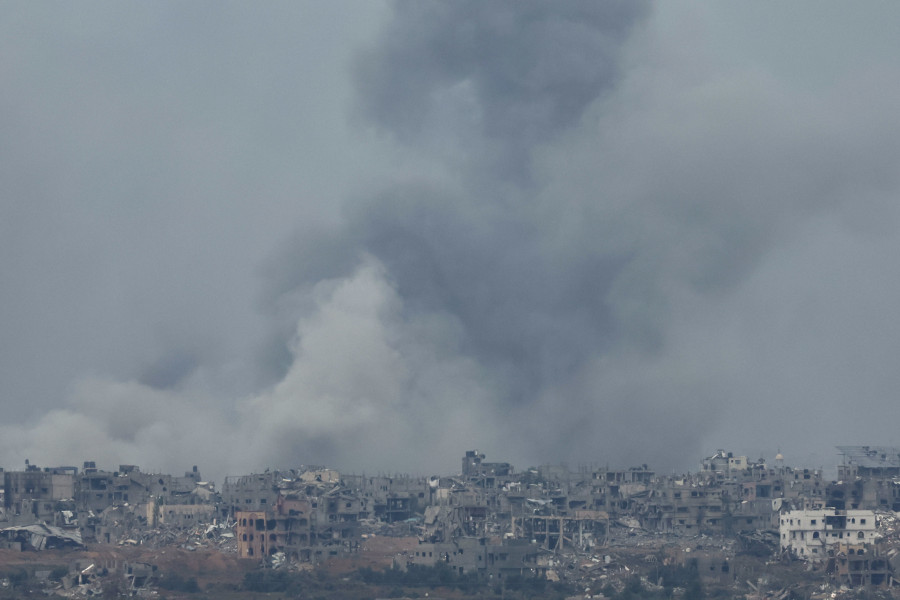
column 113, row 501
column 102, row 505
column 868, row 477
column 303, row 528
column 479, row 555
column 98, row 489
column 859, row 566
column 491, row 518
column 308, row 514
column 38, row 537
column 37, row 495
column 812, row 534
column 878, row 462
column 551, row 511
column 723, row 463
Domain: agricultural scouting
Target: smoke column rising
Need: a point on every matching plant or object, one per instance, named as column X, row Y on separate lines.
column 576, row 237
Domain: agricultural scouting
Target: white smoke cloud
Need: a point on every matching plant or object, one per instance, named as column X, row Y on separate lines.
column 679, row 244
column 365, row 389
column 368, row 386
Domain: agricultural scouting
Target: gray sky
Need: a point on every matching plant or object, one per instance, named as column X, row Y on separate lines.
column 375, row 235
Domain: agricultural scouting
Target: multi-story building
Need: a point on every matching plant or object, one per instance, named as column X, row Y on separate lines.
column 812, row 534
column 97, row 489
column 36, row 495
column 723, row 463
column 478, row 555
column 303, row 528
column 860, row 565
column 868, row 461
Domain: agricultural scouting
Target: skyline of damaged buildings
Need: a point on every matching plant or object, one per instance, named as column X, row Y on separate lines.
column 489, row 518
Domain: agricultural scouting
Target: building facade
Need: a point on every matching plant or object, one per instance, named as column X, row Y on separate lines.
column 811, row 534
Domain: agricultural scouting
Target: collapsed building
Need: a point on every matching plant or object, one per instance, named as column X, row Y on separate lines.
column 312, row 513
column 490, row 518
column 304, row 528
column 101, row 505
column 868, row 477
column 493, row 520
column 38, row 537
column 860, row 565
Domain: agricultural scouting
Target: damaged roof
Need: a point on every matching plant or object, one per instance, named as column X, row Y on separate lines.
column 43, row 531
column 874, row 457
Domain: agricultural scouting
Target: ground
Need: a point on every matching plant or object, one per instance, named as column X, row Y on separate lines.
column 376, row 552
column 208, row 566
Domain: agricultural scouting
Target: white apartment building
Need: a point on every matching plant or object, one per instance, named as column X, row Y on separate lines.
column 808, row 534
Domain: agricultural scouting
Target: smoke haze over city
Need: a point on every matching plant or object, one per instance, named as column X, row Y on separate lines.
column 374, row 235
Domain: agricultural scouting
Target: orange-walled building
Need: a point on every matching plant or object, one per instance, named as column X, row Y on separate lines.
column 255, row 534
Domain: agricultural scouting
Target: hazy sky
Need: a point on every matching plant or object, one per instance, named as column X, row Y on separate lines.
column 375, row 235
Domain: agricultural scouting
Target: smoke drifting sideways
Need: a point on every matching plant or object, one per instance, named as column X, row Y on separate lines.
column 606, row 257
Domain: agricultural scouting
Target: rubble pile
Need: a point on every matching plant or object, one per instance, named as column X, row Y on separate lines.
column 592, row 527
column 888, row 526
column 217, row 536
